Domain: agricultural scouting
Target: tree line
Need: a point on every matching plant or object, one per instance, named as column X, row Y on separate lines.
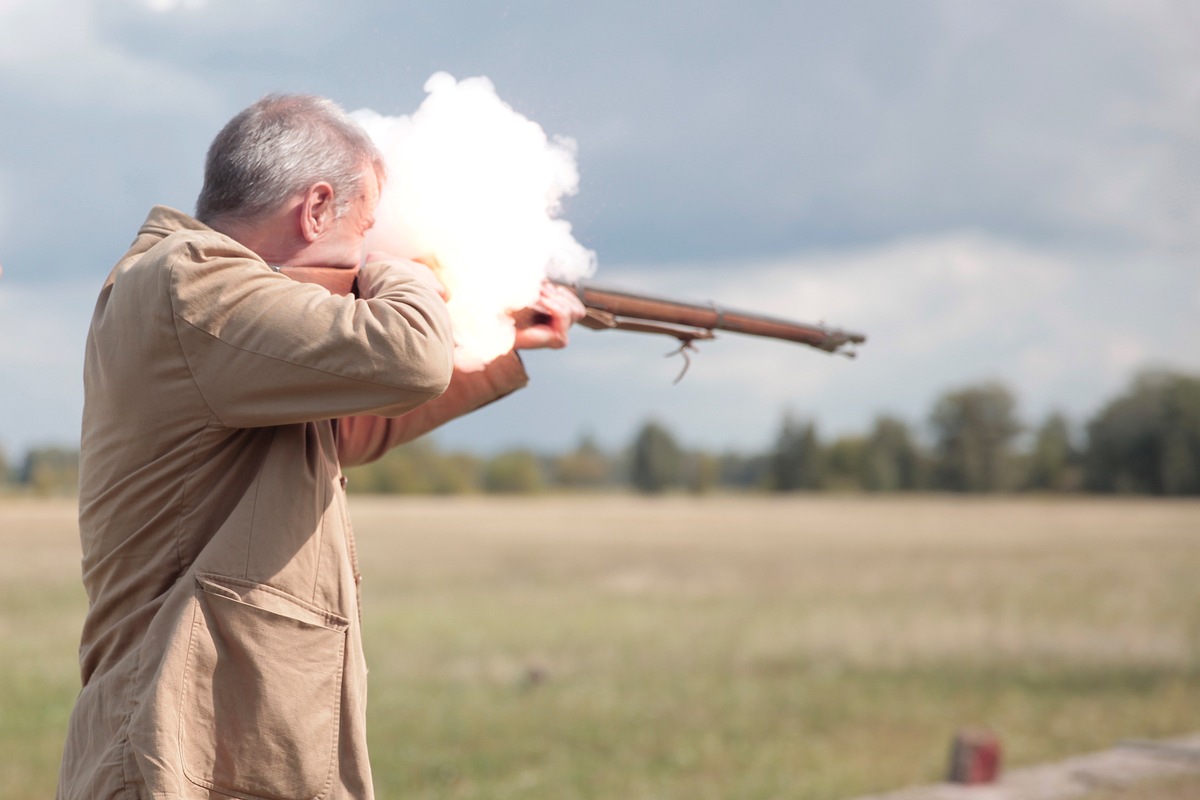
column 1144, row 441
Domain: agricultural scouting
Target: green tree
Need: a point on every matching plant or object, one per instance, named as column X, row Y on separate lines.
column 797, row 461
column 585, row 467
column 1053, row 463
column 51, row 471
column 514, row 472
column 701, row 472
column 418, row 467
column 1148, row 439
column 656, row 459
column 743, row 472
column 891, row 460
column 973, row 430
column 844, row 463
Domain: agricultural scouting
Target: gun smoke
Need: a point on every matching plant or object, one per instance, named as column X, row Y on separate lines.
column 479, row 187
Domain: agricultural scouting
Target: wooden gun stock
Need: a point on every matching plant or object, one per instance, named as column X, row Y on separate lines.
column 610, row 309
column 336, row 280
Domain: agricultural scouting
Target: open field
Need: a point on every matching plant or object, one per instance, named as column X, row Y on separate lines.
column 625, row 648
column 1180, row 787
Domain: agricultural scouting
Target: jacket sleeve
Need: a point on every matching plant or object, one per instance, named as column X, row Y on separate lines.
column 365, row 438
column 266, row 350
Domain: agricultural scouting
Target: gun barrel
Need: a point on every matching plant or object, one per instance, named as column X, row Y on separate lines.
column 622, row 304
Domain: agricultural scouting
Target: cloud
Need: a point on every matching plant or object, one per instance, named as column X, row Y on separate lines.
column 59, row 52
column 1060, row 326
column 42, row 332
column 5, row 209
column 167, row 6
column 822, row 163
column 1055, row 122
column 1065, row 329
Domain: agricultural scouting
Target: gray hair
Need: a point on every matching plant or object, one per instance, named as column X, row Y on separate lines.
column 280, row 146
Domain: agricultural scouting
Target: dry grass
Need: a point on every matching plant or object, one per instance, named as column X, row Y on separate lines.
column 41, row 608
column 1176, row 787
column 855, row 582
column 617, row 647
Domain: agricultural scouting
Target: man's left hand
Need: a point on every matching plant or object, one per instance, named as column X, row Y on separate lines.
column 546, row 322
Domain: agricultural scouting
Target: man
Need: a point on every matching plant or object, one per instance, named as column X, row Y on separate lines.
column 221, row 655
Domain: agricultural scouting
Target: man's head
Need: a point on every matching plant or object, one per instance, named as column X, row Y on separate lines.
column 293, row 175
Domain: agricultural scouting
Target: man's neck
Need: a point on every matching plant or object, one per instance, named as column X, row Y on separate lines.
column 270, row 239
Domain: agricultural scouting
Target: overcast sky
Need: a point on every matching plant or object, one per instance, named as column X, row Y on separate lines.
column 1005, row 191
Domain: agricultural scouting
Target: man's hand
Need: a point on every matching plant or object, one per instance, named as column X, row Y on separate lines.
column 546, row 322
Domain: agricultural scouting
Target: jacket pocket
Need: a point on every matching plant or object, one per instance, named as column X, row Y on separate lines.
column 261, row 698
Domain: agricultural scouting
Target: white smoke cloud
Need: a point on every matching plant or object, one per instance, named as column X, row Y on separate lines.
column 479, row 187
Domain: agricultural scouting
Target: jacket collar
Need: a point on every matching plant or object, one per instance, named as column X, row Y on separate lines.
column 163, row 221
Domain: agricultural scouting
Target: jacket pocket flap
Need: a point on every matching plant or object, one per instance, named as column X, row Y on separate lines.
column 270, row 599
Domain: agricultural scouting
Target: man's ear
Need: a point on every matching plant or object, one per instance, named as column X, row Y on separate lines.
column 316, row 211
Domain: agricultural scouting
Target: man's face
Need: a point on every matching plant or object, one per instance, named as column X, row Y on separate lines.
column 341, row 244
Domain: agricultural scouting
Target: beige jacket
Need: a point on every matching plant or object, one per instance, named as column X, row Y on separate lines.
column 222, row 654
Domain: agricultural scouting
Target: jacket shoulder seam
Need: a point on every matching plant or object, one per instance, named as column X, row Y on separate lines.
column 175, row 315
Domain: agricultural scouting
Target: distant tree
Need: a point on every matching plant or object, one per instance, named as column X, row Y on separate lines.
column 418, row 467
column 701, row 472
column 51, row 471
column 457, row 473
column 797, row 461
column 5, row 477
column 973, row 430
column 1148, row 439
column 395, row 473
column 738, row 471
column 514, row 472
column 891, row 460
column 656, row 460
column 844, row 463
column 1053, row 463
column 585, row 467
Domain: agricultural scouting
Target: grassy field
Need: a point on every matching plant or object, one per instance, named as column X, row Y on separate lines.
column 1177, row 787
column 625, row 648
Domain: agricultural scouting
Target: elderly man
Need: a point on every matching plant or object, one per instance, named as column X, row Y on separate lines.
column 226, row 388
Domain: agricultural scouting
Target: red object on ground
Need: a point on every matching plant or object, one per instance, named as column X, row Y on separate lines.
column 974, row 757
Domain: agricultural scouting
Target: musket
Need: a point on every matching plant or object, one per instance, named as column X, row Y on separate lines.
column 612, row 309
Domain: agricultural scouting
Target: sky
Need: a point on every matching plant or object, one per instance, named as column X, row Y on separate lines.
column 990, row 191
